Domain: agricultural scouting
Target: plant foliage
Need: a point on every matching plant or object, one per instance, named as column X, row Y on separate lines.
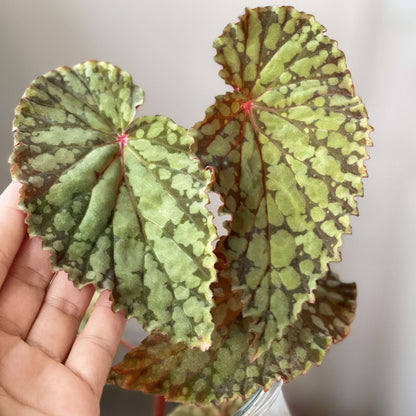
column 288, row 147
column 227, row 369
column 118, row 202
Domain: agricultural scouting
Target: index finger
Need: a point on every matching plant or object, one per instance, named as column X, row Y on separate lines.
column 12, row 228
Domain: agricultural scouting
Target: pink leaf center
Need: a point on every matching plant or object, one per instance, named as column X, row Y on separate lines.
column 122, row 140
column 247, row 106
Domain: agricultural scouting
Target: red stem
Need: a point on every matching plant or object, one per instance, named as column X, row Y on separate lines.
column 159, row 406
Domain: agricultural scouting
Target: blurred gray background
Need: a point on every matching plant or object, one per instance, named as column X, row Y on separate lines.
column 166, row 46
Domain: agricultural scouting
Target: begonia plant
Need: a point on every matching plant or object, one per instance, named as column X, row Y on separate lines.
column 120, row 202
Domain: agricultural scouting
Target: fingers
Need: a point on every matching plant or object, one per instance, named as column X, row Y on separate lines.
column 34, row 380
column 12, row 228
column 24, row 289
column 56, row 325
column 94, row 349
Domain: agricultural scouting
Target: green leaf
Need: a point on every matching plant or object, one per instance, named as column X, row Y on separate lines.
column 229, row 368
column 118, row 202
column 288, row 148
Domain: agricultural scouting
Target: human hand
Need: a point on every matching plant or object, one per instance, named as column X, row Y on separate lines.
column 45, row 368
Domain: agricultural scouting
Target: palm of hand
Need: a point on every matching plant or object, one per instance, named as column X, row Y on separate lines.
column 45, row 368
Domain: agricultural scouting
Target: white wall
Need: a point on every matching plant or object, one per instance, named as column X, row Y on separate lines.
column 166, row 46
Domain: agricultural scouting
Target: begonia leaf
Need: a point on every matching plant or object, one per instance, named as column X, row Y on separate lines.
column 288, row 147
column 118, row 202
column 227, row 369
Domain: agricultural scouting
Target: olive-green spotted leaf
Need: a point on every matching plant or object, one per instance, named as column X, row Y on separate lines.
column 288, row 147
column 319, row 325
column 229, row 368
column 119, row 202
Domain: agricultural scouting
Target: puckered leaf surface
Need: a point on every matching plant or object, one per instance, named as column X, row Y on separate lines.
column 119, row 203
column 227, row 369
column 288, row 147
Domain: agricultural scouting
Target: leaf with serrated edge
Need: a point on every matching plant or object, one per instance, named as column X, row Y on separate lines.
column 227, row 369
column 118, row 202
column 288, row 147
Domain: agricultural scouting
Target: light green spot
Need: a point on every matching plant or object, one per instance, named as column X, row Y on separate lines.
column 252, row 371
column 275, row 216
column 306, row 267
column 303, row 113
column 312, row 244
column 331, row 122
column 182, row 182
column 289, row 27
column 77, row 251
column 155, row 130
column 258, row 250
column 285, row 77
column 280, row 305
column 194, row 308
column 329, row 228
column 164, row 174
column 275, row 67
column 317, row 214
column 63, row 221
column 182, row 293
column 315, row 189
column 182, row 235
column 37, row 181
column 325, row 164
column 312, row 45
column 342, row 192
column 329, row 69
column 272, row 36
column 232, row 58
column 58, row 245
column 172, row 138
column 289, row 199
column 283, row 248
column 290, row 278
column 350, row 126
column 319, row 102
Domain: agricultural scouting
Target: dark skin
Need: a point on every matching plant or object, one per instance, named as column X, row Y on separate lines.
column 45, row 368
